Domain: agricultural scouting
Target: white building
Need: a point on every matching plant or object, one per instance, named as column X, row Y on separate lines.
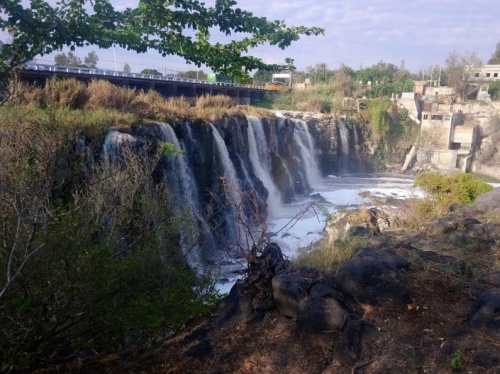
column 487, row 73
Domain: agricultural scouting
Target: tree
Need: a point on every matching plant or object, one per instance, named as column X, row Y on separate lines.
column 67, row 59
column 460, row 69
column 261, row 77
column 193, row 74
column 150, row 72
column 320, row 73
column 495, row 57
column 165, row 26
column 91, row 60
column 126, row 68
column 344, row 80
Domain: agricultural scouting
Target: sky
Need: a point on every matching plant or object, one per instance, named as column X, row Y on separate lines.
column 358, row 33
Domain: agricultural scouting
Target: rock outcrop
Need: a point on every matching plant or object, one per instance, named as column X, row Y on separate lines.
column 405, row 300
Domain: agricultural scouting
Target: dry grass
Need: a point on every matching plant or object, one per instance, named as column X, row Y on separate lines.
column 152, row 105
column 217, row 101
column 93, row 124
column 414, row 213
column 100, row 94
column 61, row 93
column 330, row 255
column 314, row 104
column 103, row 94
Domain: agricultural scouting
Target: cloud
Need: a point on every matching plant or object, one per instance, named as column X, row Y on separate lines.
column 359, row 32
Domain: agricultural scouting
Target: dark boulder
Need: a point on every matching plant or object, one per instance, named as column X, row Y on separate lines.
column 372, row 275
column 418, row 260
column 485, row 312
column 476, row 231
column 202, row 351
column 489, row 201
column 444, row 225
column 288, row 290
column 360, row 231
column 272, row 258
column 321, row 315
column 322, row 290
column 458, row 267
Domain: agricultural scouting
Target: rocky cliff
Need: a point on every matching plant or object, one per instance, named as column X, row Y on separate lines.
column 408, row 302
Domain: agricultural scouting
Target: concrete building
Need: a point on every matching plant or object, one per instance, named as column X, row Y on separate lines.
column 447, row 139
column 487, row 73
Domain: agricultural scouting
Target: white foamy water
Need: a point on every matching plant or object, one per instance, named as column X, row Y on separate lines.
column 339, row 192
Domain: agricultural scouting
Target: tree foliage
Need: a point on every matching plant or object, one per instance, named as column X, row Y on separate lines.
column 261, row 77
column 166, row 26
column 320, row 73
column 495, row 57
column 91, row 60
column 150, row 71
column 460, row 69
column 69, row 59
column 385, row 79
column 193, row 74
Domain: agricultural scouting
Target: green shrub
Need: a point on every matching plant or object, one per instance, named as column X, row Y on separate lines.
column 456, row 362
column 459, row 188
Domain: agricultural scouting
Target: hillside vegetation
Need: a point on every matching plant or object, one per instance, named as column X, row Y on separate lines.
column 90, row 259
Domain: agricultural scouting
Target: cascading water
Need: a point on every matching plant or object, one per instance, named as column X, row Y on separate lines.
column 344, row 146
column 180, row 175
column 261, row 162
column 113, row 142
column 231, row 189
column 271, row 173
column 227, row 164
column 181, row 180
column 306, row 145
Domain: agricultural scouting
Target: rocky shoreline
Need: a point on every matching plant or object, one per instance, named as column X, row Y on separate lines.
column 405, row 303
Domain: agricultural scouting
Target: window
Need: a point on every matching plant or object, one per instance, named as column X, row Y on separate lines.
column 437, row 117
column 476, row 75
column 495, row 75
column 487, row 75
column 426, row 116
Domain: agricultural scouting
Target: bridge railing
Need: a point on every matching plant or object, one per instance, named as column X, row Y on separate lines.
column 114, row 73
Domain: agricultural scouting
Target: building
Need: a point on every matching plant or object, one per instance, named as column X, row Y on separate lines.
column 487, row 73
column 447, row 138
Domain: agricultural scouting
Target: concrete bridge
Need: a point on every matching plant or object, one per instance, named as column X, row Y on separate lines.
column 168, row 85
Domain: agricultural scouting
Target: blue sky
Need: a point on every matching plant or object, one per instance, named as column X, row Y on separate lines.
column 357, row 33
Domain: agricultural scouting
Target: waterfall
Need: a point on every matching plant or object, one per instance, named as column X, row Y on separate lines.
column 227, row 164
column 356, row 138
column 261, row 162
column 262, row 167
column 343, row 156
column 182, row 183
column 306, row 145
column 113, row 142
column 232, row 189
column 344, row 137
column 183, row 179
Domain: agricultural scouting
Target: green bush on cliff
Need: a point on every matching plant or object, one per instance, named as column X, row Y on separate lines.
column 445, row 190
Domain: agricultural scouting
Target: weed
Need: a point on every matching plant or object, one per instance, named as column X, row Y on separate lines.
column 456, row 362
column 327, row 256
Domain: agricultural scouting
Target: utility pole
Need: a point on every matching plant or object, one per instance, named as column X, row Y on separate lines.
column 114, row 54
